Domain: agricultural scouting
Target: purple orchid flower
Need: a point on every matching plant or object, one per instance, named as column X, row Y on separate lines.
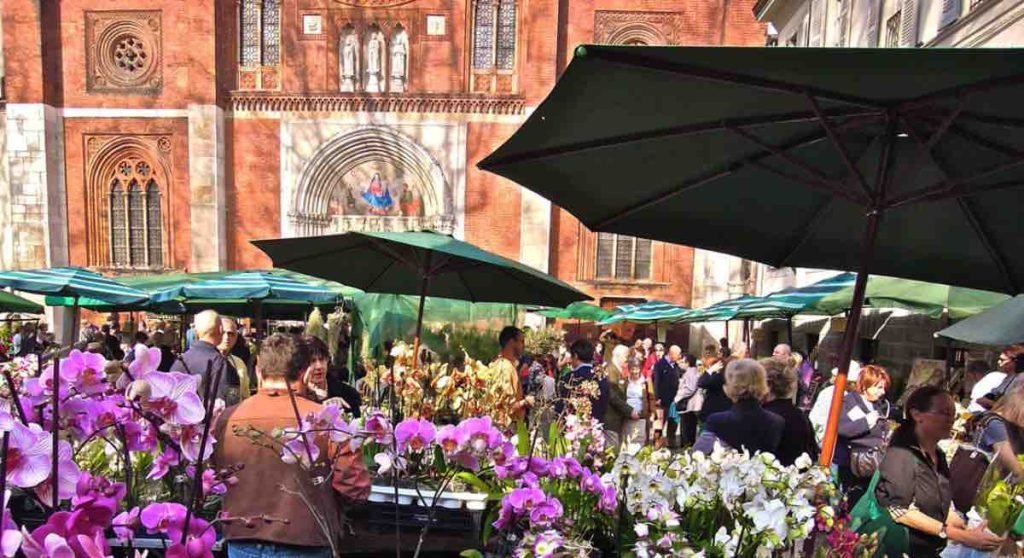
column 125, row 523
column 452, row 439
column 174, row 398
column 502, row 453
column 573, row 467
column 609, row 501
column 53, row 546
column 525, row 499
column 539, row 466
column 558, row 468
column 84, row 371
column 386, row 461
column 94, row 547
column 513, row 469
column 591, row 482
column 145, row 361
column 506, row 516
column 198, row 544
column 163, row 463
column 481, row 435
column 415, row 435
column 212, row 484
column 164, row 517
column 6, row 420
column 378, row 426
column 11, row 538
column 300, row 448
column 77, row 417
column 68, row 475
column 140, row 435
column 189, row 438
column 90, row 488
column 546, row 513
column 28, row 455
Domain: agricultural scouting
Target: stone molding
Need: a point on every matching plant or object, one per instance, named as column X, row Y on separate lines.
column 618, row 27
column 123, row 51
column 469, row 104
column 374, row 3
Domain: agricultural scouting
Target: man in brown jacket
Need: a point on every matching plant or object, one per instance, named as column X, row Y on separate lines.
column 277, row 509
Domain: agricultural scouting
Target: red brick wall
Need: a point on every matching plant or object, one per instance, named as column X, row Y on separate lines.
column 23, row 59
column 253, row 191
column 177, row 219
column 493, row 204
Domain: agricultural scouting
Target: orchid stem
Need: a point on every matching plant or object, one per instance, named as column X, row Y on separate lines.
column 197, row 479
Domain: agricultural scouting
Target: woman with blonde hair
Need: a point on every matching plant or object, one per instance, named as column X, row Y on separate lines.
column 797, row 434
column 746, row 425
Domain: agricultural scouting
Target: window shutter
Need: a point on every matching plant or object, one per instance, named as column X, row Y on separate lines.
column 643, row 259
column 605, row 255
column 624, row 257
column 950, row 12
column 872, row 23
column 842, row 23
column 817, row 22
column 908, row 30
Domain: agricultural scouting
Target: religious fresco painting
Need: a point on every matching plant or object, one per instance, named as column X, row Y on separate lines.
column 377, row 189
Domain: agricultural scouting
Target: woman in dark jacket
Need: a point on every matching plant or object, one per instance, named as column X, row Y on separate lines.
column 863, row 427
column 746, row 425
column 913, row 483
column 797, row 433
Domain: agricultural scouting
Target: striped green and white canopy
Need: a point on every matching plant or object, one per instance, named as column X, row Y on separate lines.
column 72, row 282
column 646, row 313
column 720, row 311
column 803, row 300
column 250, row 285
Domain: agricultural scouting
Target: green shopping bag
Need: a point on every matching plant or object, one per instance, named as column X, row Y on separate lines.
column 868, row 516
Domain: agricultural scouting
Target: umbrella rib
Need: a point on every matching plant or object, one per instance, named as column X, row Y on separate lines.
column 708, row 74
column 986, row 240
column 465, row 284
column 673, row 131
column 822, row 179
column 833, row 136
column 826, row 187
column 701, row 180
column 992, row 119
column 962, row 90
column 379, row 275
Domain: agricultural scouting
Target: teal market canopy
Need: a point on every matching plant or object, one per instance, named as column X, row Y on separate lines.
column 73, row 282
column 646, row 313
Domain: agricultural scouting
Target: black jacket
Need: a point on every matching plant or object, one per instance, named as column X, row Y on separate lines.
column 666, row 382
column 579, row 375
column 203, row 355
column 747, row 425
column 797, row 432
column 715, row 401
column 854, row 430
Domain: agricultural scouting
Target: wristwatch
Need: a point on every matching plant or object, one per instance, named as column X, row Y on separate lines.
column 942, row 532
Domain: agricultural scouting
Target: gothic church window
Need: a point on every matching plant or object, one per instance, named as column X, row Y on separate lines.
column 493, row 56
column 136, row 224
column 260, row 43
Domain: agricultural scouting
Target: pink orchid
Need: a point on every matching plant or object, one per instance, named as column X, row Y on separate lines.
column 68, row 475
column 125, row 523
column 212, row 484
column 77, row 416
column 93, row 488
column 53, row 546
column 414, row 434
column 84, row 371
column 482, row 436
column 163, row 463
column 451, row 439
column 387, row 461
column 145, row 361
column 379, row 428
column 6, row 420
column 110, row 411
column 10, row 540
column 164, row 517
column 174, row 398
column 189, row 438
column 140, row 435
column 300, row 448
column 95, row 547
column 198, row 544
column 28, row 455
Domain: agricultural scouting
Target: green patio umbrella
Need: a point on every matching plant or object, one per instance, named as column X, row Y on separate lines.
column 1000, row 325
column 418, row 263
column 73, row 282
column 720, row 311
column 650, row 312
column 580, row 311
column 905, row 162
column 14, row 303
column 931, row 299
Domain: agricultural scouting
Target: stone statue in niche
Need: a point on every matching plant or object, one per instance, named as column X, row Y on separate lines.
column 375, row 61
column 399, row 60
column 349, row 60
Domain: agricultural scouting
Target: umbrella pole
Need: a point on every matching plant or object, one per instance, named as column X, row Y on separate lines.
column 789, row 330
column 75, row 311
column 828, row 444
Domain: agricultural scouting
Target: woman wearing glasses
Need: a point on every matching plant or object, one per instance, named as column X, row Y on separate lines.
column 913, row 479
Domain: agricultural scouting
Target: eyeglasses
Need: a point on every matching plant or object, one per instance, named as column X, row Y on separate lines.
column 946, row 414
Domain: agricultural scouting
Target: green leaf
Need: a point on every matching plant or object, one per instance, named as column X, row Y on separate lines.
column 522, row 438
column 471, row 553
column 473, row 481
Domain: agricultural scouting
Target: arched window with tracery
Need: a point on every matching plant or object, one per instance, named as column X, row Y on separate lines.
column 495, row 32
column 135, row 216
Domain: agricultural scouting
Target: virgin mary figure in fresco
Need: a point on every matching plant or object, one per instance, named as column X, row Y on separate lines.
column 378, row 195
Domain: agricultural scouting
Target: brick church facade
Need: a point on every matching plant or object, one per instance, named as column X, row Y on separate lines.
column 141, row 136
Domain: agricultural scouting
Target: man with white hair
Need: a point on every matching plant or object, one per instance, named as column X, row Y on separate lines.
column 819, row 412
column 782, row 353
column 204, row 354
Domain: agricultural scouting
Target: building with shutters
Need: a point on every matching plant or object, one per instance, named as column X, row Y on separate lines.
column 148, row 136
column 893, row 23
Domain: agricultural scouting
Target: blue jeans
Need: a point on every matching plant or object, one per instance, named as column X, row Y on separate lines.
column 244, row 549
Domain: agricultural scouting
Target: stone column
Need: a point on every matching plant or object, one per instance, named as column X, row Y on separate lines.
column 207, row 188
column 535, row 239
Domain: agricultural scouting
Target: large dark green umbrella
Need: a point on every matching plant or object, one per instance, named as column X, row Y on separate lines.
column 1000, row 325
column 906, row 162
column 418, row 263
column 14, row 303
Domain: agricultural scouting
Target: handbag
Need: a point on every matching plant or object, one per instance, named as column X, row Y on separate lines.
column 865, row 462
column 868, row 516
column 968, row 467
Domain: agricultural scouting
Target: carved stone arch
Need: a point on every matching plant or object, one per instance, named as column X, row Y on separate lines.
column 639, row 32
column 101, row 170
column 325, row 174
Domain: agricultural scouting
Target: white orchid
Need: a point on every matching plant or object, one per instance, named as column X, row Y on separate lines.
column 768, row 516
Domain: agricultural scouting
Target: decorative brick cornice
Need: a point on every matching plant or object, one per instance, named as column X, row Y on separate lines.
column 347, row 102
